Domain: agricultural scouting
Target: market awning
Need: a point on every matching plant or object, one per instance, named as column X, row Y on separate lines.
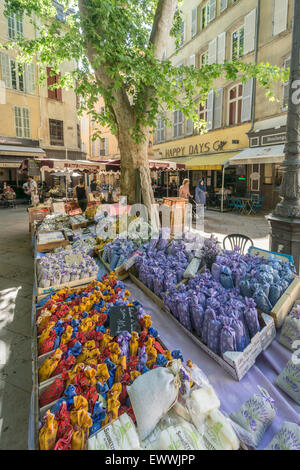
column 51, row 164
column 20, row 151
column 153, row 164
column 209, row 162
column 10, row 162
column 259, row 155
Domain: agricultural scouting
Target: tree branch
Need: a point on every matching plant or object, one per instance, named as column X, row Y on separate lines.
column 162, row 24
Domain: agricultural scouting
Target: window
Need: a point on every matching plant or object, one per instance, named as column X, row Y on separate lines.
column 83, row 125
column 204, row 59
column 160, row 130
column 103, row 147
column 53, row 94
column 235, row 104
column 182, row 34
column 22, row 122
column 268, row 173
column 16, row 76
column 56, row 132
column 238, row 43
column 203, row 111
column 205, row 15
column 178, row 123
column 255, row 177
column 15, row 27
column 286, row 87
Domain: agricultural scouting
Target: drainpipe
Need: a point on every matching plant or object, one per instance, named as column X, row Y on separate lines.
column 255, row 60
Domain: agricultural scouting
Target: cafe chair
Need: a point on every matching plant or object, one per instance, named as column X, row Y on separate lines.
column 237, row 239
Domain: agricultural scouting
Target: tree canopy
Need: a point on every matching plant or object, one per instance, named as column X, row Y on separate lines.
column 118, row 46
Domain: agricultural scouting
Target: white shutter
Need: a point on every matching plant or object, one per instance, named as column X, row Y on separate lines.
column 250, row 31
column 218, row 108
column 189, row 127
column 5, row 70
column 280, row 17
column 175, row 123
column 247, row 100
column 98, row 147
column 212, row 52
column 194, row 21
column 106, row 145
column 30, row 78
column 212, row 10
column 192, row 60
column 221, row 48
column 93, row 148
column 224, row 5
column 210, row 110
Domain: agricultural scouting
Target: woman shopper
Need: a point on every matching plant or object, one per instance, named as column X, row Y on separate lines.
column 184, row 191
column 81, row 193
column 200, row 194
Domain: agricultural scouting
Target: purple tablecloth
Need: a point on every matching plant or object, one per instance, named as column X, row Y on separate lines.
column 231, row 393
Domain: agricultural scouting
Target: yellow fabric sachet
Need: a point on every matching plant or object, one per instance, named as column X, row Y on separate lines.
column 47, row 435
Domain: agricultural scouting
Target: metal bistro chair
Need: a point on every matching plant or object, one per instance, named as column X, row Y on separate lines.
column 236, row 239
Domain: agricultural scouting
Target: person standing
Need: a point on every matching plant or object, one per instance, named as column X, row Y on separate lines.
column 200, row 194
column 33, row 188
column 184, row 191
column 81, row 193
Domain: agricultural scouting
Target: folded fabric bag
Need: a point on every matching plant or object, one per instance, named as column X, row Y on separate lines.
column 289, row 379
column 256, row 415
column 288, row 438
column 152, row 395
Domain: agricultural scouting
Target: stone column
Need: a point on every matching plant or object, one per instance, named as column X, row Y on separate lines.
column 285, row 219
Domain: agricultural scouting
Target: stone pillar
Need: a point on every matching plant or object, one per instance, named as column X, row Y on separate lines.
column 285, row 219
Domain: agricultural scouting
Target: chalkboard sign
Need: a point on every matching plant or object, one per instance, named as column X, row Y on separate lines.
column 123, row 318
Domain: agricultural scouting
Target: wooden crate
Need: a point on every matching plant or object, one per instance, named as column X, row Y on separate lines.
column 177, row 217
column 45, row 247
column 37, row 214
column 237, row 364
column 286, row 302
column 43, row 292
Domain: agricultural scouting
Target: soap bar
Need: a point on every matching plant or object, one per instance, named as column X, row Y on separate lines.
column 288, row 438
column 120, row 435
column 219, row 432
column 183, row 437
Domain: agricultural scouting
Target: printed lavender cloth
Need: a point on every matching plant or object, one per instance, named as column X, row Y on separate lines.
column 288, row 438
column 290, row 332
column 255, row 416
column 289, row 379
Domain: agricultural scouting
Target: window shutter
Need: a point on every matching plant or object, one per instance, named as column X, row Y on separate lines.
column 280, row 17
column 210, row 110
column 212, row 52
column 182, row 33
column 106, row 142
column 218, row 108
column 5, row 70
column 250, row 31
column 58, row 90
column 189, row 127
column 224, row 5
column 194, row 21
column 192, row 61
column 93, row 148
column 30, row 78
column 221, row 48
column 98, row 148
column 50, row 82
column 212, row 9
column 175, row 123
column 247, row 100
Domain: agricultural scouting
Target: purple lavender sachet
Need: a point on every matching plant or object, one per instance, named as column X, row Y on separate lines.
column 214, row 335
column 227, row 340
column 251, row 317
column 209, row 316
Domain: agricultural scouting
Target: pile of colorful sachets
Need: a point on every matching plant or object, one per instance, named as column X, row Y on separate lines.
column 263, row 280
column 162, row 265
column 90, row 369
column 222, row 318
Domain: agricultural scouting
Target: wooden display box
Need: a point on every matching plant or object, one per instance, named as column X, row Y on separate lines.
column 43, row 292
column 45, row 247
column 237, row 364
column 177, row 216
column 286, row 302
column 37, row 214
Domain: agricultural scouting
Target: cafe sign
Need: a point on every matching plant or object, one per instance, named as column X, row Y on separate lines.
column 196, row 149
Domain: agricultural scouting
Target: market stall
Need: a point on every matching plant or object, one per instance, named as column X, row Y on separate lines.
column 186, row 347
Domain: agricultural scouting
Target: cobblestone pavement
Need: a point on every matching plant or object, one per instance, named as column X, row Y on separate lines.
column 16, row 282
